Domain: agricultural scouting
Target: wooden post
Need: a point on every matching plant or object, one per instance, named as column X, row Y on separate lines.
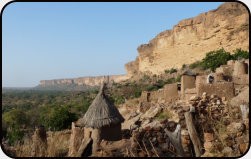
column 175, row 138
column 193, row 134
column 244, row 111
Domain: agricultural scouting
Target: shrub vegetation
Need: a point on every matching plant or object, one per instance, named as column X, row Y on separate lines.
column 195, row 65
column 184, row 66
column 173, row 70
column 164, row 115
column 239, row 53
column 117, row 100
column 215, row 59
column 178, row 79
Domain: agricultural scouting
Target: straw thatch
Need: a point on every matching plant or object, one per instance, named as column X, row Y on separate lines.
column 101, row 112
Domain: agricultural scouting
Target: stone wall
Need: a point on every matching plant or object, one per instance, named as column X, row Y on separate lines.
column 221, row 89
column 145, row 96
column 241, row 72
column 218, row 77
column 144, row 103
column 171, row 92
column 150, row 97
column 247, row 62
column 240, row 68
column 187, row 82
column 77, row 135
column 156, row 96
column 168, row 94
column 189, row 92
column 87, row 132
column 200, row 80
column 225, row 69
column 241, row 79
column 230, row 62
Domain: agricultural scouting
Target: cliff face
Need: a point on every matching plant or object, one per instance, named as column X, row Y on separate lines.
column 190, row 40
column 91, row 81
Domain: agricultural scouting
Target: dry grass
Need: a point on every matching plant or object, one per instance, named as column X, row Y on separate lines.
column 58, row 143
column 133, row 102
column 165, row 115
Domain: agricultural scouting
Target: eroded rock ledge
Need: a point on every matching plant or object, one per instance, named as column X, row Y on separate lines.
column 190, row 40
column 91, row 81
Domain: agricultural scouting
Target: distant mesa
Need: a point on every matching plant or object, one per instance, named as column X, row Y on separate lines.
column 81, row 81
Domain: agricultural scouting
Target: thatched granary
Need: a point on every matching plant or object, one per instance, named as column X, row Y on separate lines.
column 104, row 118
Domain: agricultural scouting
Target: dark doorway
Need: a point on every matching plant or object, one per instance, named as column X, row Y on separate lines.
column 88, row 150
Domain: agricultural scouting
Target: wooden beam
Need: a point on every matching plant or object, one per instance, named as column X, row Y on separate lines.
column 175, row 138
column 244, row 111
column 193, row 134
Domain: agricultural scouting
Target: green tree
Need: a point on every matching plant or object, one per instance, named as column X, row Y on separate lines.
column 215, row 59
column 117, row 100
column 239, row 53
column 15, row 118
column 137, row 93
column 15, row 135
column 178, row 79
column 61, row 118
column 195, row 65
column 45, row 114
column 33, row 116
column 83, row 105
column 170, row 81
column 151, row 88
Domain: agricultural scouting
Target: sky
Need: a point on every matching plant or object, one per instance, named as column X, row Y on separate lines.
column 43, row 41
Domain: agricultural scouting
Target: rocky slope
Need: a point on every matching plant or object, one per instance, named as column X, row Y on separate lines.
column 90, row 81
column 190, row 40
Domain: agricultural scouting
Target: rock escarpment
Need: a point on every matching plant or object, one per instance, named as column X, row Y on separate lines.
column 225, row 27
column 91, row 81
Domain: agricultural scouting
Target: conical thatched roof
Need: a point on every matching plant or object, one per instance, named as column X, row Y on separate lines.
column 101, row 112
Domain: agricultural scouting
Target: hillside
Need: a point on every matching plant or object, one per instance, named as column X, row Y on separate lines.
column 189, row 41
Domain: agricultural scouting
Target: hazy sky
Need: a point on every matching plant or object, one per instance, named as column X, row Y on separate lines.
column 67, row 40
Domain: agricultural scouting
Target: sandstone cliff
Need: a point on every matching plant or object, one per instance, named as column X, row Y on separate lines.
column 90, row 81
column 190, row 40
